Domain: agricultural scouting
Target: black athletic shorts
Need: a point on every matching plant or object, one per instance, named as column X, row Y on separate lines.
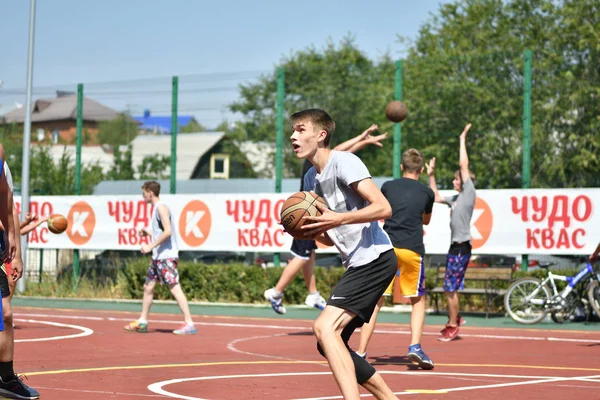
column 360, row 288
column 303, row 248
column 4, row 282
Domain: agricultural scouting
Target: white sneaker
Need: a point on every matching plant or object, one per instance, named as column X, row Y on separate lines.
column 315, row 300
column 276, row 301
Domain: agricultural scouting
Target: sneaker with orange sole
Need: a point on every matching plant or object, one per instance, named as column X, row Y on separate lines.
column 135, row 326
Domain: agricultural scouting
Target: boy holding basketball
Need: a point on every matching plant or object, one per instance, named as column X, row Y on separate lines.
column 163, row 266
column 356, row 204
column 412, row 205
column 303, row 251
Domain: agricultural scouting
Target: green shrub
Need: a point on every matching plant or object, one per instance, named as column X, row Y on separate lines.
column 230, row 283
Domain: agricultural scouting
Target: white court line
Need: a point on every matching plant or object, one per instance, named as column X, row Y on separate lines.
column 283, row 327
column 158, row 386
column 61, row 316
column 231, row 346
column 85, row 331
column 113, row 393
column 465, row 388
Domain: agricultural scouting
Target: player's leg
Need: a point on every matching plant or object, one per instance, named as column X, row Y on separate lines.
column 314, row 298
column 452, row 298
column 302, row 253
column 378, row 388
column 169, row 275
column 141, row 324
column 328, row 329
column 290, row 271
column 366, row 331
column 456, row 265
column 333, row 329
column 412, row 285
column 351, row 303
column 11, row 385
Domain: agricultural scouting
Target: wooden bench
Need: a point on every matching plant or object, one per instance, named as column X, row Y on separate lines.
column 492, row 278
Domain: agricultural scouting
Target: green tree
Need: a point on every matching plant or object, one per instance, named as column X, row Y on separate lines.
column 193, row 127
column 466, row 65
column 154, row 167
column 11, row 137
column 122, row 164
column 338, row 78
column 58, row 178
column 119, row 131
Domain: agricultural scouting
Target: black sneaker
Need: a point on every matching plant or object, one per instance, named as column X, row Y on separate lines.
column 16, row 389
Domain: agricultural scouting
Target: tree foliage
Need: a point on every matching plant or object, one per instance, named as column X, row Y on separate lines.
column 50, row 178
column 119, row 131
column 466, row 65
column 339, row 78
column 193, row 127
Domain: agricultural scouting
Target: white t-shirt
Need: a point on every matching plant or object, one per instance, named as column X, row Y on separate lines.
column 358, row 244
column 168, row 248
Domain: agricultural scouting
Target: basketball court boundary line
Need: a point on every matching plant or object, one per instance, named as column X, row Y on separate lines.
column 284, row 327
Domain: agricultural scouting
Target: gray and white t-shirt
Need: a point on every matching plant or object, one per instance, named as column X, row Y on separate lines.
column 461, row 210
column 358, row 244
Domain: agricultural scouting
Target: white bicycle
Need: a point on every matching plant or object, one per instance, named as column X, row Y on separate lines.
column 529, row 300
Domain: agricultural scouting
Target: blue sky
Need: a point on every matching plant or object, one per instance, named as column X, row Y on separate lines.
column 214, row 45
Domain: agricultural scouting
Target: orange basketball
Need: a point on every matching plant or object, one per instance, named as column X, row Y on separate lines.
column 296, row 207
column 57, row 223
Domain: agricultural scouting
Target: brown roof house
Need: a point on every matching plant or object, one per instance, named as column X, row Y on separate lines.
column 57, row 118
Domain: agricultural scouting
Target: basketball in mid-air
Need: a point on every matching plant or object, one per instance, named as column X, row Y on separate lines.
column 396, row 111
column 297, row 206
column 57, row 223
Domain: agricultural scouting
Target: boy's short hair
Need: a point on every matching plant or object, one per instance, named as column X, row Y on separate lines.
column 412, row 161
column 152, row 186
column 319, row 118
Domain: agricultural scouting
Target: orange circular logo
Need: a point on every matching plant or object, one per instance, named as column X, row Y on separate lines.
column 481, row 223
column 195, row 223
column 82, row 222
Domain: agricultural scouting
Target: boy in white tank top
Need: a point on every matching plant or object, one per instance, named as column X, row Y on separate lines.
column 163, row 266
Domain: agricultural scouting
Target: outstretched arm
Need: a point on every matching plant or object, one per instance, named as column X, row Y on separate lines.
column 432, row 184
column 358, row 142
column 463, row 160
column 31, row 222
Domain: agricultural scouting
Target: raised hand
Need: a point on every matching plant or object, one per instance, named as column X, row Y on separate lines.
column 430, row 166
column 368, row 131
column 376, row 140
column 463, row 135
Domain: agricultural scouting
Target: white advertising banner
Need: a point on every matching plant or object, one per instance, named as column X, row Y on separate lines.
column 534, row 221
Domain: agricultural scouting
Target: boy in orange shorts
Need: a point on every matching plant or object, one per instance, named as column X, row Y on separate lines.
column 412, row 205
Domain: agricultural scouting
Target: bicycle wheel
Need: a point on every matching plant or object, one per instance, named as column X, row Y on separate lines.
column 594, row 296
column 521, row 306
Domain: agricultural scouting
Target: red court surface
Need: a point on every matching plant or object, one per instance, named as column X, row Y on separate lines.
column 85, row 354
